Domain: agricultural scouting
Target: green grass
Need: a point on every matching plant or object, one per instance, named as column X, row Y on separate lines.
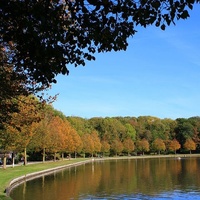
column 8, row 174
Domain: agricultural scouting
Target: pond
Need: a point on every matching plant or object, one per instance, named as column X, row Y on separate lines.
column 155, row 178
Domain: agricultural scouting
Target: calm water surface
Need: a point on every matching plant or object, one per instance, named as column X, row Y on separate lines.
column 159, row 178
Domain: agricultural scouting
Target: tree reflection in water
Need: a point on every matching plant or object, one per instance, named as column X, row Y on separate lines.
column 129, row 179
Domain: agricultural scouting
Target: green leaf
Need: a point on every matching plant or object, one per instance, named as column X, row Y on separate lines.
column 163, row 27
column 184, row 14
column 190, row 6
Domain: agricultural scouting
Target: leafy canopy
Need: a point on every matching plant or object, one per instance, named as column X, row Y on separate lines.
column 46, row 35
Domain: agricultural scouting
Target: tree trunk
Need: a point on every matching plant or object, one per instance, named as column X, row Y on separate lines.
column 54, row 159
column 13, row 160
column 4, row 161
column 43, row 155
column 25, row 157
column 62, row 156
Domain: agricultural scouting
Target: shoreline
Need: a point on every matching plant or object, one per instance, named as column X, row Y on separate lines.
column 27, row 177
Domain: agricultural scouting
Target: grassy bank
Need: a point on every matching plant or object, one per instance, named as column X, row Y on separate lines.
column 6, row 175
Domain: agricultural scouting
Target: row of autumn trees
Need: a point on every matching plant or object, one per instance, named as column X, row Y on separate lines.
column 39, row 128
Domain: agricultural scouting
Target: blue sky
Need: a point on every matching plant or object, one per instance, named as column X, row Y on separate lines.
column 158, row 75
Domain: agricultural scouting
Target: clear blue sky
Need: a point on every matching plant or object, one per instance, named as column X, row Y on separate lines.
column 159, row 75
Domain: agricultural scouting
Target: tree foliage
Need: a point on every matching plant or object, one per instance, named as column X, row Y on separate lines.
column 88, row 144
column 117, row 147
column 174, row 145
column 40, row 128
column 45, row 35
column 128, row 145
column 143, row 145
column 11, row 86
column 190, row 145
column 158, row 145
column 105, row 147
column 21, row 128
column 39, row 39
column 97, row 142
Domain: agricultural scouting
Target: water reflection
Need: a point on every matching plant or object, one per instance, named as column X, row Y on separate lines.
column 118, row 179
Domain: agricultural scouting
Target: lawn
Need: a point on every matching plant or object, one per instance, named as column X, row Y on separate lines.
column 6, row 175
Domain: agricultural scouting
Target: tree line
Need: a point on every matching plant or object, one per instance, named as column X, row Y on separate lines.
column 36, row 128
